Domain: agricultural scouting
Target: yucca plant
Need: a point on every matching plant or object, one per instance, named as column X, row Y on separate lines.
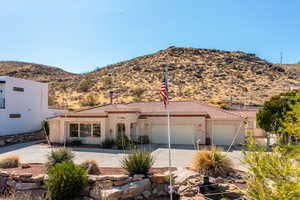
column 58, row 156
column 212, row 163
column 140, row 162
column 10, row 162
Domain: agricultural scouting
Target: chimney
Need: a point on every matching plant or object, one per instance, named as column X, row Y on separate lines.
column 111, row 96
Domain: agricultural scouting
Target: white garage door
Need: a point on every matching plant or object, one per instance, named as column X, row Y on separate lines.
column 223, row 134
column 179, row 134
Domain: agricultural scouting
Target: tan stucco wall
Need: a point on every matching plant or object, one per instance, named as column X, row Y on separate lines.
column 59, row 130
column 54, row 129
column 235, row 123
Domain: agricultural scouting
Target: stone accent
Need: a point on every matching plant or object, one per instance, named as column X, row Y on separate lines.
column 100, row 187
column 20, row 138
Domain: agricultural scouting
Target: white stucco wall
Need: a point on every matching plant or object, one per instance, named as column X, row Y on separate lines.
column 32, row 105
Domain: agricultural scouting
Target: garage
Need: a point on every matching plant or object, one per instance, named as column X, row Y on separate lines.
column 223, row 134
column 180, row 134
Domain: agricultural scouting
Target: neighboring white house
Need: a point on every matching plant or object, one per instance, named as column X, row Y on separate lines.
column 23, row 105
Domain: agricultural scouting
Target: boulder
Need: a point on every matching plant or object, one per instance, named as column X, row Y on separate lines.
column 159, row 178
column 138, row 177
column 127, row 191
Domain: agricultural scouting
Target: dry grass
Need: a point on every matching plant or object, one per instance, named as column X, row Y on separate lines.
column 91, row 166
column 212, row 163
column 10, row 162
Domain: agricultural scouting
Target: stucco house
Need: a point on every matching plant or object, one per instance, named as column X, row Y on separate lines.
column 191, row 123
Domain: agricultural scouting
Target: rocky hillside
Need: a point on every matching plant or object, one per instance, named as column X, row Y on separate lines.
column 209, row 75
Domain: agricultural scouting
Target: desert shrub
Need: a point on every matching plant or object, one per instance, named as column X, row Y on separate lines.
column 140, row 162
column 212, row 163
column 58, row 156
column 224, row 106
column 66, row 181
column 90, row 100
column 76, row 143
column 122, row 142
column 108, row 143
column 85, row 85
column 45, row 126
column 10, row 162
column 91, row 166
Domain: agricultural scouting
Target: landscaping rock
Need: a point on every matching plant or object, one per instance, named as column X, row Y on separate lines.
column 27, row 186
column 182, row 174
column 127, row 191
column 147, row 194
column 138, row 177
column 159, row 178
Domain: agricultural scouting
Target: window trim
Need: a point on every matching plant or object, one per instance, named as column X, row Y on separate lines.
column 92, row 129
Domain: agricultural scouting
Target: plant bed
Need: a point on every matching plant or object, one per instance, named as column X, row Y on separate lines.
column 38, row 168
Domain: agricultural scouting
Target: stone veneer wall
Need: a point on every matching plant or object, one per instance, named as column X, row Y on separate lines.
column 22, row 137
column 111, row 187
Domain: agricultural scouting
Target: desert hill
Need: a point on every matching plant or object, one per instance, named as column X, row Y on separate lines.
column 209, row 75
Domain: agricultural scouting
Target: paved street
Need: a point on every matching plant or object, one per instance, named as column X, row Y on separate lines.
column 37, row 153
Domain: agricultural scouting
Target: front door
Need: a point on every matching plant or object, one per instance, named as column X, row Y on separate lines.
column 120, row 129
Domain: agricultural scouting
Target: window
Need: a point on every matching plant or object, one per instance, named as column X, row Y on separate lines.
column 18, row 89
column 250, row 124
column 96, row 130
column 74, row 130
column 85, row 130
column 14, row 115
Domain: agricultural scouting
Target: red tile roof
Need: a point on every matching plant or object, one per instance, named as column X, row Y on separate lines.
column 158, row 107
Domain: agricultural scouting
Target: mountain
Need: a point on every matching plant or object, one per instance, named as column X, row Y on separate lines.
column 209, row 75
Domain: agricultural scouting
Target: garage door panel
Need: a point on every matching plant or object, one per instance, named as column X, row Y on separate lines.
column 223, row 134
column 183, row 134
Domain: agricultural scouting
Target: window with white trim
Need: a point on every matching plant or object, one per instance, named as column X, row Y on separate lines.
column 82, row 130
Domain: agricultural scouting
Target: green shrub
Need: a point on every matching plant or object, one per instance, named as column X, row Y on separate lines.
column 76, row 143
column 91, row 166
column 122, row 142
column 45, row 125
column 66, row 181
column 143, row 139
column 10, row 162
column 58, row 156
column 212, row 163
column 140, row 162
column 108, row 143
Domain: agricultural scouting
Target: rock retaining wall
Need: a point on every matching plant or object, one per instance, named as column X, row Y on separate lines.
column 20, row 138
column 111, row 187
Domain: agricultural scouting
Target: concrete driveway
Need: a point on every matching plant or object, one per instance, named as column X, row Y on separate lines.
column 37, row 153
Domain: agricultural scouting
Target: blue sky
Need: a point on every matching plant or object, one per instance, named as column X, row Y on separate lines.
column 80, row 35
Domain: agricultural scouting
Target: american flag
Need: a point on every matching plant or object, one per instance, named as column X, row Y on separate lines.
column 164, row 89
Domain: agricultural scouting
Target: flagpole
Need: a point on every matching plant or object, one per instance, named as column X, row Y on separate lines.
column 169, row 136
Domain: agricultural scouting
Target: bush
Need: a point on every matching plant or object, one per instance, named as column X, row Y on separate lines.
column 212, row 163
column 140, row 162
column 108, row 143
column 58, row 156
column 66, row 181
column 143, row 139
column 45, row 125
column 91, row 166
column 10, row 162
column 122, row 142
column 76, row 143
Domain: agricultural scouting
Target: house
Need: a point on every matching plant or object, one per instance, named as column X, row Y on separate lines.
column 23, row 105
column 191, row 122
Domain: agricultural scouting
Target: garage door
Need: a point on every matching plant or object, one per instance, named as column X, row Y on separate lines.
column 179, row 134
column 223, row 134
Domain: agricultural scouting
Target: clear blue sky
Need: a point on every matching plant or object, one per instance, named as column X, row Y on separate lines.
column 80, row 35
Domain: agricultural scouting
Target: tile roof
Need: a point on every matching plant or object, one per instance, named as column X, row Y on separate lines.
column 246, row 112
column 174, row 106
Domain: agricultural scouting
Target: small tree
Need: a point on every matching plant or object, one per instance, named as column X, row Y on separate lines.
column 273, row 175
column 273, row 114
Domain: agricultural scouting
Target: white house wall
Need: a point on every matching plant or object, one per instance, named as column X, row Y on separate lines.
column 32, row 105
